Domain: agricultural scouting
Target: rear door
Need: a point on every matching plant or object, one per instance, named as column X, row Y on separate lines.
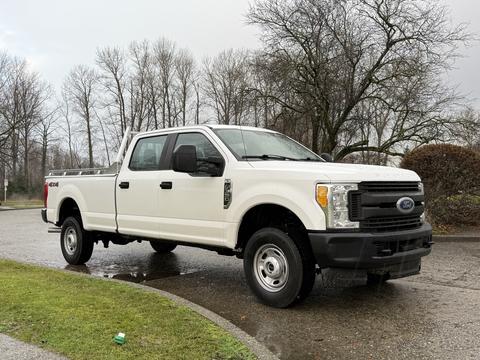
column 191, row 208
column 137, row 187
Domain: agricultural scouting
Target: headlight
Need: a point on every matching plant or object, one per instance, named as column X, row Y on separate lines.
column 333, row 199
column 421, row 187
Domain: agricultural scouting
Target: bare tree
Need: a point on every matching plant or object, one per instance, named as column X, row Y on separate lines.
column 197, row 88
column 164, row 61
column 226, row 85
column 184, row 66
column 67, row 128
column 46, row 129
column 33, row 96
column 81, row 86
column 113, row 77
column 138, row 89
column 335, row 55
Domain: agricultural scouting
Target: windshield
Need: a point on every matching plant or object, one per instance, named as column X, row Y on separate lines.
column 263, row 145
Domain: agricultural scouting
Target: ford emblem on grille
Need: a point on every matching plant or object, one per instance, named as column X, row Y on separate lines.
column 405, row 205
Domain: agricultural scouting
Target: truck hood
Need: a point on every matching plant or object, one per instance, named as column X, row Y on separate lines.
column 337, row 173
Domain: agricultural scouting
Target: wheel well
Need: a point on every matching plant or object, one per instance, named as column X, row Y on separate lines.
column 270, row 215
column 68, row 208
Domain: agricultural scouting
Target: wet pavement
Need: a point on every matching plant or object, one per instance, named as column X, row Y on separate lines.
column 435, row 315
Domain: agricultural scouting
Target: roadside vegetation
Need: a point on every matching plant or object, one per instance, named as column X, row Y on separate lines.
column 22, row 204
column 452, row 185
column 78, row 317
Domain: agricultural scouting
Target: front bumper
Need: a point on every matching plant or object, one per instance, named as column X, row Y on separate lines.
column 44, row 215
column 395, row 251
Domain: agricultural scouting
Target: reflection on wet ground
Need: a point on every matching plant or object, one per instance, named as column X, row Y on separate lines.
column 434, row 315
column 154, row 266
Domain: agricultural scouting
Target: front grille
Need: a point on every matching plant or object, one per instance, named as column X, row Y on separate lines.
column 389, row 186
column 392, row 223
column 374, row 206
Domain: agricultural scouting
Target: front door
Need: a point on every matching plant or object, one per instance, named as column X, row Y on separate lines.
column 191, row 210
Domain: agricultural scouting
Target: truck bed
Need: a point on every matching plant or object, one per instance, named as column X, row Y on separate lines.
column 94, row 191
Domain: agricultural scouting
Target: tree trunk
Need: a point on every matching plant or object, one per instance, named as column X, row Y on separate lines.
column 89, row 137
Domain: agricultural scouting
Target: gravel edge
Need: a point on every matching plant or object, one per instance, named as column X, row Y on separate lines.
column 13, row 349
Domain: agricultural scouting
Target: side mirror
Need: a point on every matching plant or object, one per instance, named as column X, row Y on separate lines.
column 185, row 159
column 212, row 166
column 326, row 157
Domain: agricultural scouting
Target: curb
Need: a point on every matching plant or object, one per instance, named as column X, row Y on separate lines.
column 258, row 349
column 456, row 238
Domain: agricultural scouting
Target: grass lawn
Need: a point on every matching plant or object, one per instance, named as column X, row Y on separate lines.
column 23, row 204
column 78, row 317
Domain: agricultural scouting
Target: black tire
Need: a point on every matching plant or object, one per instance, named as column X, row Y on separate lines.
column 377, row 279
column 162, row 247
column 273, row 251
column 75, row 242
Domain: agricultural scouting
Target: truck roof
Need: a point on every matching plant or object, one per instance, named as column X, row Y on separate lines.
column 203, row 126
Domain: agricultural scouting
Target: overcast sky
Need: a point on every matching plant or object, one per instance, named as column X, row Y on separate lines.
column 56, row 35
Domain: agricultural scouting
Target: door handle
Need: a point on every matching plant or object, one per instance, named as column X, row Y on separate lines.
column 166, row 185
column 124, row 185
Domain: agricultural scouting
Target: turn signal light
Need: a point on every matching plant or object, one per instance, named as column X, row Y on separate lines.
column 322, row 196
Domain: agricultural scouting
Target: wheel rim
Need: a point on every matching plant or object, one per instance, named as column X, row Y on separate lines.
column 70, row 240
column 271, row 267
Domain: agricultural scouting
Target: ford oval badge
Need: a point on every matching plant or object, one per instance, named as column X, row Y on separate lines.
column 405, row 205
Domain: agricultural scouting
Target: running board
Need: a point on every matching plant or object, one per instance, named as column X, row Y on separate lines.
column 55, row 230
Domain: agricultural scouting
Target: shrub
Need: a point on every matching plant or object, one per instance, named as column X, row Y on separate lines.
column 445, row 169
column 455, row 210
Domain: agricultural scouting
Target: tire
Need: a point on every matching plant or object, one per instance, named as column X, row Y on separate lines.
column 75, row 242
column 377, row 279
column 162, row 247
column 279, row 270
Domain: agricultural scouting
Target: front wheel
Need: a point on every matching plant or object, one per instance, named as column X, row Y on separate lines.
column 75, row 242
column 279, row 271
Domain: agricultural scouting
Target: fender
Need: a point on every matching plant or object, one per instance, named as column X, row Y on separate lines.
column 284, row 195
column 71, row 191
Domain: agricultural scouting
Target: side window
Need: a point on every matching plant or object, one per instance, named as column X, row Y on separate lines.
column 147, row 153
column 204, row 147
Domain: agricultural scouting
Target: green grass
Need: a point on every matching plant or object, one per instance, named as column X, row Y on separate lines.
column 23, row 204
column 78, row 317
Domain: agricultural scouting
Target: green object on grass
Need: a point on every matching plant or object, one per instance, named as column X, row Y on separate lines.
column 119, row 338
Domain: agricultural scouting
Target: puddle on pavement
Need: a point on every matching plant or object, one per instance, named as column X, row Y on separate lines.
column 132, row 276
column 152, row 268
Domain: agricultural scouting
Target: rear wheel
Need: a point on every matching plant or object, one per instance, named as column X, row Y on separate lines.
column 279, row 271
column 75, row 242
column 162, row 246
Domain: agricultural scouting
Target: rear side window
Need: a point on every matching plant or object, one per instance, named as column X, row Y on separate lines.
column 204, row 147
column 147, row 153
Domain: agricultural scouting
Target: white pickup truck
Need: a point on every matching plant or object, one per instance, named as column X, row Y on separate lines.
column 249, row 192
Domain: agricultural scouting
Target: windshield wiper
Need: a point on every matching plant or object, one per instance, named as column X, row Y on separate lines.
column 268, row 157
column 309, row 159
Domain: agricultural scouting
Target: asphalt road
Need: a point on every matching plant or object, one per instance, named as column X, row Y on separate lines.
column 434, row 315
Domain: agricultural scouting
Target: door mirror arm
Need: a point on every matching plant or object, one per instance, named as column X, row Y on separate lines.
column 327, row 157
